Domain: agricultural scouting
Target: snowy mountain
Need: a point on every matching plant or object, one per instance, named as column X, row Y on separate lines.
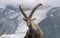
column 8, row 19
column 11, row 20
column 12, row 24
column 51, row 24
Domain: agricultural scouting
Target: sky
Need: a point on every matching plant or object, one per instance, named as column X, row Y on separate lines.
column 30, row 3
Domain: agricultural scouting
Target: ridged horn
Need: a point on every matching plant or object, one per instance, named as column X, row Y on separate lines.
column 22, row 11
column 33, row 10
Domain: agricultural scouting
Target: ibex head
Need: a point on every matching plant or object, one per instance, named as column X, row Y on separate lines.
column 26, row 18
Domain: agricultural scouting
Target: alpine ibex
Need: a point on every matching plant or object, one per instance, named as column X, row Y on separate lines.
column 34, row 30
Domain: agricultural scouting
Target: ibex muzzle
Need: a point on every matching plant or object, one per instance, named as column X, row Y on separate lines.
column 34, row 30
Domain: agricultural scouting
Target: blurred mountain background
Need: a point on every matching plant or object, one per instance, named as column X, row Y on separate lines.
column 47, row 17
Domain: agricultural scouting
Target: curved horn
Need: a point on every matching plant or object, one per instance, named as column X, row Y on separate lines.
column 33, row 10
column 22, row 11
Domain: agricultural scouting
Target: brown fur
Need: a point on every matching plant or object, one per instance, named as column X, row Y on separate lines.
column 34, row 30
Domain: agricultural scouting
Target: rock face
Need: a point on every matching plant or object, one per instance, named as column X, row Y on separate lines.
column 8, row 20
column 51, row 25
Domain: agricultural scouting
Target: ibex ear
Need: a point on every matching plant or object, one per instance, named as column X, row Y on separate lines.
column 24, row 19
column 34, row 19
column 41, row 5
